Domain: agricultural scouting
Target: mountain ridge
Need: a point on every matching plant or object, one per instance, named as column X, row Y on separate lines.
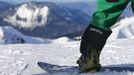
column 59, row 20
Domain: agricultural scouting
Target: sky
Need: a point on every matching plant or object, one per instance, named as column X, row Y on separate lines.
column 19, row 1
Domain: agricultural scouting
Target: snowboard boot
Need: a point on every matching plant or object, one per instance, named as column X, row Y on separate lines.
column 90, row 63
column 91, row 46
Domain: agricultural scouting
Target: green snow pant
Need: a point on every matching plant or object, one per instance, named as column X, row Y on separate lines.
column 108, row 11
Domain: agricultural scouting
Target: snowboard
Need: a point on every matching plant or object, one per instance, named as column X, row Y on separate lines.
column 74, row 70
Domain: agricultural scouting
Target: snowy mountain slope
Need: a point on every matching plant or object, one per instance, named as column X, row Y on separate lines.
column 9, row 35
column 49, row 19
column 29, row 18
column 87, row 7
column 4, row 6
column 22, row 59
column 90, row 6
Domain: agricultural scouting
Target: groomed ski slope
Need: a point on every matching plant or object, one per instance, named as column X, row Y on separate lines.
column 21, row 59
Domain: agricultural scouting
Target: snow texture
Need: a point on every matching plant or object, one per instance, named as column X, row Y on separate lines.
column 21, row 59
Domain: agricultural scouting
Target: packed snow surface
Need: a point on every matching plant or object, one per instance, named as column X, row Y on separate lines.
column 21, row 59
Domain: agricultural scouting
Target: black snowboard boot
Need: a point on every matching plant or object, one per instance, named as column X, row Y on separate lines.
column 92, row 43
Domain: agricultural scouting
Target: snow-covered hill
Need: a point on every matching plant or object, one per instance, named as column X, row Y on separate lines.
column 9, row 35
column 49, row 19
column 123, row 29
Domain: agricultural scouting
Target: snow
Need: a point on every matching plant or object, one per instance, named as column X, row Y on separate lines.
column 61, row 40
column 29, row 16
column 1, row 33
column 123, row 29
column 9, row 35
column 21, row 59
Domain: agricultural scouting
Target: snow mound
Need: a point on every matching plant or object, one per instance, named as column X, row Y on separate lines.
column 9, row 35
column 123, row 29
column 61, row 40
column 29, row 16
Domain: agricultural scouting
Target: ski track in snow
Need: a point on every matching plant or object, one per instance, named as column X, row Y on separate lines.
column 21, row 59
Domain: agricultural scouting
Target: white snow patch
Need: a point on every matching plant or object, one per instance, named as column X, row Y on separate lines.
column 28, row 16
column 1, row 33
column 61, row 40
